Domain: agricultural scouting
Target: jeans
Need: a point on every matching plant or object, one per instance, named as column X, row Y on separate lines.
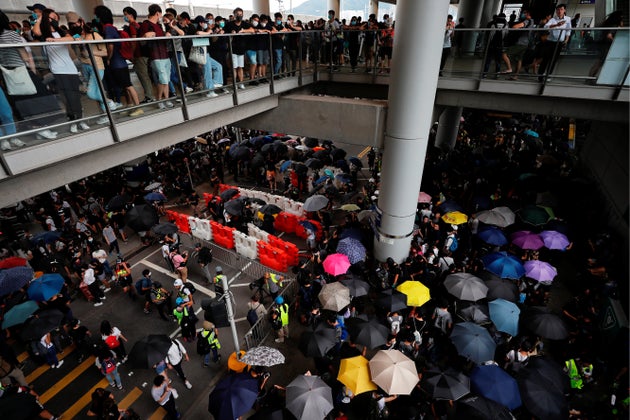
column 51, row 356
column 212, row 73
column 6, row 116
column 277, row 61
column 113, row 377
column 215, row 356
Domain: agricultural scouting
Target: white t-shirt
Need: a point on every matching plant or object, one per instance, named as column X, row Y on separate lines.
column 175, row 353
column 59, row 60
column 115, row 332
column 88, row 276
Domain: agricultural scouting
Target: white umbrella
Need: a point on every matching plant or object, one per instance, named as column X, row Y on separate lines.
column 334, row 296
column 394, row 372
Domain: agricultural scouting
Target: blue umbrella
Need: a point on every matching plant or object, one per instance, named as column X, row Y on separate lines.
column 449, row 205
column 503, row 265
column 353, row 249
column 233, row 396
column 155, row 196
column 19, row 313
column 492, row 235
column 504, row 314
column 45, row 287
column 343, row 178
column 285, row 165
column 532, row 133
column 494, row 383
column 473, row 342
column 308, row 225
column 13, row 279
column 48, row 237
column 320, row 180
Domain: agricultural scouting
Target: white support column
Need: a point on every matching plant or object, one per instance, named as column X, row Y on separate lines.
column 373, row 8
column 448, row 127
column 413, row 83
column 335, row 5
column 261, row 6
column 470, row 10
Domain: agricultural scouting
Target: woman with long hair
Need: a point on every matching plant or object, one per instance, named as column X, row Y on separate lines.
column 114, row 339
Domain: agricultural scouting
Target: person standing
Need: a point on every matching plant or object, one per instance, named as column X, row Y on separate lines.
column 174, row 357
column 218, row 281
column 166, row 254
column 9, row 371
column 559, row 33
column 448, row 38
column 162, row 393
column 273, row 282
column 204, row 258
column 106, row 363
column 210, row 335
column 89, row 278
column 179, row 263
column 238, row 44
column 161, row 298
column 283, row 313
column 110, row 238
column 140, row 60
column 114, row 339
column 186, row 319
column 143, row 287
column 158, row 53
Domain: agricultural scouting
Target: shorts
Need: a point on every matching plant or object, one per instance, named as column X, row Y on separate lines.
column 516, row 52
column 262, row 56
column 238, row 61
column 121, row 77
column 161, row 70
column 386, row 52
column 251, row 56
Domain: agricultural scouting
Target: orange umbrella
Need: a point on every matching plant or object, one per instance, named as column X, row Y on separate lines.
column 236, row 365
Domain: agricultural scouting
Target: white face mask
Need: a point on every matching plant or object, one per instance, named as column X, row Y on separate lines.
column 204, row 26
column 211, row 22
column 254, row 23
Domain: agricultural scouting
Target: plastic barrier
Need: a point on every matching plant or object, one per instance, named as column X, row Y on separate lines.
column 200, row 228
column 207, row 198
column 245, row 245
column 290, row 250
column 301, row 232
column 223, row 187
column 257, row 233
column 272, row 257
column 295, row 207
column 226, row 237
column 182, row 222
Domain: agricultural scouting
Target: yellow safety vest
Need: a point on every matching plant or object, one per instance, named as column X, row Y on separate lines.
column 212, row 339
column 274, row 278
column 574, row 374
column 284, row 314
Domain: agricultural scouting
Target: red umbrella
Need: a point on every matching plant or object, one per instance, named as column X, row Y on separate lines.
column 424, row 197
column 336, row 264
column 12, row 262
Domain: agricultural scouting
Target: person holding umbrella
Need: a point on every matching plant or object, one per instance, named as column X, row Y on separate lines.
column 162, row 393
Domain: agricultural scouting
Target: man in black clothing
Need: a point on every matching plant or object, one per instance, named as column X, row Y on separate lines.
column 204, row 258
column 239, row 44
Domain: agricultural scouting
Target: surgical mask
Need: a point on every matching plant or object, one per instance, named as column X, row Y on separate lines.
column 331, row 16
column 211, row 22
column 279, row 22
column 522, row 16
column 221, row 24
column 254, row 23
column 126, row 19
column 97, row 19
column 238, row 18
column 204, row 26
column 34, row 16
column 354, row 22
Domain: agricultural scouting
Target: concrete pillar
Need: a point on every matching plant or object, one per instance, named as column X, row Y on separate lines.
column 85, row 9
column 413, row 83
column 448, row 127
column 490, row 8
column 261, row 6
column 470, row 10
column 373, row 8
column 336, row 6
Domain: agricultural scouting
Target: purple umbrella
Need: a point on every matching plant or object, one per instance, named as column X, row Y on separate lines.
column 525, row 239
column 540, row 271
column 554, row 240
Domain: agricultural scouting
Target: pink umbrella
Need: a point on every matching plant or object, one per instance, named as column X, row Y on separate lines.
column 525, row 239
column 424, row 197
column 540, row 271
column 336, row 264
column 554, row 240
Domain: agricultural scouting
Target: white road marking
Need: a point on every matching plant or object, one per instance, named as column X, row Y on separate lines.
column 141, row 261
column 156, row 267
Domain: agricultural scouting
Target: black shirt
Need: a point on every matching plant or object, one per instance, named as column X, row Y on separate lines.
column 239, row 43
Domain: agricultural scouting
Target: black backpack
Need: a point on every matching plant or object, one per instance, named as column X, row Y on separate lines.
column 203, row 346
column 252, row 316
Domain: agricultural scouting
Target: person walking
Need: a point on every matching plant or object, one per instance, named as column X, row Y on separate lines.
column 106, row 362
column 174, row 357
column 274, row 283
column 161, row 298
column 143, row 287
column 218, row 281
column 51, row 351
column 283, row 313
column 89, row 279
column 9, row 371
column 122, row 272
column 186, row 319
column 208, row 341
column 204, row 258
column 163, row 394
column 114, row 339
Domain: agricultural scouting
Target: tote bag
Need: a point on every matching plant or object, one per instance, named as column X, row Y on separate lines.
column 18, row 82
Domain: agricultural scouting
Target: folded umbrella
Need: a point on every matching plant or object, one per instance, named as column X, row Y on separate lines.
column 315, row 203
column 233, row 396
column 492, row 235
column 505, row 315
column 165, row 229
column 336, row 264
column 465, row 286
column 43, row 288
column 496, row 384
column 503, row 265
column 554, row 240
column 525, row 239
column 334, row 296
column 355, row 374
column 13, row 279
column 19, row 313
column 309, row 398
column 371, row 334
column 446, row 384
column 473, row 342
column 540, row 271
column 417, row 293
column 317, row 342
column 43, row 323
column 353, row 249
column 455, row 218
column 142, row 217
column 541, row 321
column 263, row 356
column 149, row 351
column 394, row 372
column 356, row 286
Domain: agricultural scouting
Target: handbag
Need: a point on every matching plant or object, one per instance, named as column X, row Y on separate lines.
column 198, row 55
column 18, row 81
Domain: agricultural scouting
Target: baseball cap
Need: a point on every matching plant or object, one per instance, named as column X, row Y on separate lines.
column 36, row 6
column 200, row 19
column 178, row 283
column 218, row 269
column 72, row 17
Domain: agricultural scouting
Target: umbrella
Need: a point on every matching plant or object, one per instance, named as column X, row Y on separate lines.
column 15, row 278
column 12, row 262
column 233, row 396
column 315, row 202
column 365, row 215
column 307, row 225
column 357, row 287
column 309, row 398
column 329, row 173
column 354, row 374
column 19, row 313
column 310, row 142
column 392, row 300
column 353, row 249
column 228, row 194
column 502, row 289
column 239, row 152
column 280, row 148
column 475, row 407
column 302, row 147
column 165, row 229
column 549, row 371
column 285, row 165
column 201, row 140
column 149, row 351
column 355, row 161
column 525, row 239
column 234, row 207
column 481, row 202
column 49, row 237
column 536, row 215
column 267, row 148
column 473, row 342
column 448, row 206
column 320, row 180
column 455, row 218
column 234, row 364
column 142, row 217
column 530, row 132
column 554, row 240
column 465, row 286
column 350, row 207
column 394, row 372
column 496, row 384
column 505, row 314
column 417, row 293
column 270, row 209
column 338, row 154
column 447, row 384
column 334, row 296
column 225, row 140
column 343, row 178
column 370, row 334
column 541, row 321
column 263, row 356
column 353, row 233
column 314, row 163
column 540, row 271
column 43, row 288
column 43, row 323
column 424, row 197
column 503, row 265
column 177, row 152
column 152, row 186
column 117, row 203
column 498, row 216
column 155, row 196
column 492, row 235
column 336, row 264
column 541, row 398
column 317, row 342
column 474, row 312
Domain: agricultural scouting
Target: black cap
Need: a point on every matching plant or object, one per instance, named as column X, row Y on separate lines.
column 200, row 19
column 36, row 6
column 184, row 15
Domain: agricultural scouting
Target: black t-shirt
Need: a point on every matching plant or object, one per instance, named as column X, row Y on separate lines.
column 239, row 43
column 205, row 256
column 277, row 40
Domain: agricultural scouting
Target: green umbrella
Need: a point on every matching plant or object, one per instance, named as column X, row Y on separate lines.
column 536, row 215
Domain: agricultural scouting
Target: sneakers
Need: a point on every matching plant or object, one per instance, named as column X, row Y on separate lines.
column 208, row 95
column 279, row 340
column 113, row 106
column 137, row 112
column 47, row 134
column 241, row 86
column 83, row 126
column 169, row 104
column 98, row 303
column 120, row 387
column 5, row 145
column 146, row 311
column 17, row 142
column 59, row 363
column 112, row 384
column 102, row 120
column 204, row 365
column 161, row 105
column 218, row 85
column 147, row 100
column 188, row 384
column 189, row 89
column 74, row 129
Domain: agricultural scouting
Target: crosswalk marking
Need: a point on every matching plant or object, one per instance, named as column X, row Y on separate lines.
column 66, row 380
column 158, row 414
column 45, row 367
column 22, row 356
column 130, row 398
column 72, row 412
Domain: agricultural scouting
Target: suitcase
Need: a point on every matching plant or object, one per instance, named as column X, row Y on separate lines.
column 86, row 292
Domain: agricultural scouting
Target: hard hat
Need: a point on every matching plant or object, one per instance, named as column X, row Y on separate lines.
column 218, row 269
column 279, row 300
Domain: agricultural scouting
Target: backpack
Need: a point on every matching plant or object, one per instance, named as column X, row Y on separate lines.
column 108, row 365
column 127, row 48
column 203, row 345
column 454, row 244
column 252, row 316
column 112, row 342
column 140, row 283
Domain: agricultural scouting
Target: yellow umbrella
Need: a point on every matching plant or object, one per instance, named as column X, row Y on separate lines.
column 417, row 293
column 354, row 373
column 455, row 218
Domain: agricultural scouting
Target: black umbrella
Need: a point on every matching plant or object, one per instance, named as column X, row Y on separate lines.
column 314, row 163
column 228, row 194
column 198, row 154
column 449, row 206
column 300, row 168
column 323, row 155
column 239, row 153
column 258, row 160
column 331, row 190
column 116, row 203
column 270, row 209
column 541, row 398
column 356, row 162
column 476, row 312
column 164, row 229
column 548, row 370
column 392, row 300
column 149, row 351
column 338, row 154
column 43, row 323
column 446, row 384
column 234, row 207
column 540, row 320
column 233, row 396
column 267, row 148
column 142, row 217
column 475, row 407
column 279, row 147
column 371, row 334
column 310, row 142
column 502, row 289
column 357, row 286
column 317, row 342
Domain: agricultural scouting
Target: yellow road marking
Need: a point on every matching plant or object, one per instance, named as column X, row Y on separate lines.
column 83, row 401
column 44, row 368
column 22, row 356
column 130, row 398
column 66, row 380
column 158, row 414
column 364, row 152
